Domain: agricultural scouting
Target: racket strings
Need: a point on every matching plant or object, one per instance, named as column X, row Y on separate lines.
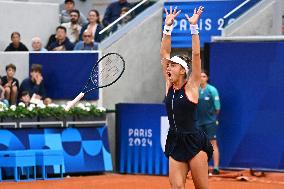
column 110, row 69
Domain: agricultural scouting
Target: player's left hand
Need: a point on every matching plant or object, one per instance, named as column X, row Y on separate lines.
column 196, row 15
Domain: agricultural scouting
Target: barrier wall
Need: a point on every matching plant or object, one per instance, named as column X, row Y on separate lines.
column 29, row 18
column 250, row 135
column 65, row 73
column 84, row 149
column 249, row 77
column 141, row 133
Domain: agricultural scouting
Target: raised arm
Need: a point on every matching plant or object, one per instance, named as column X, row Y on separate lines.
column 196, row 61
column 165, row 50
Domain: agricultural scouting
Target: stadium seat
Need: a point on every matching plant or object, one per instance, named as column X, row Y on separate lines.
column 48, row 157
column 18, row 159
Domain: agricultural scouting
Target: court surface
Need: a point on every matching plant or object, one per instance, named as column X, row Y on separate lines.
column 226, row 180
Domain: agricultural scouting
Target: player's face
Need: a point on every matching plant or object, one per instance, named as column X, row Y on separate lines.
column 204, row 78
column 174, row 71
column 10, row 72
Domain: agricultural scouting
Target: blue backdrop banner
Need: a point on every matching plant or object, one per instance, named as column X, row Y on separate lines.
column 141, row 133
column 211, row 23
column 249, row 77
column 84, row 149
column 65, row 74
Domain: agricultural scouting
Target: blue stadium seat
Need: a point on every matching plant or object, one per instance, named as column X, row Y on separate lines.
column 47, row 157
column 18, row 159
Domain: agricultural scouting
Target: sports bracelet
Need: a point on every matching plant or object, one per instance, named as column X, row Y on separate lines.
column 194, row 29
column 168, row 29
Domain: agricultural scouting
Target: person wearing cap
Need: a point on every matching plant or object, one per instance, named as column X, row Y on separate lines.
column 187, row 147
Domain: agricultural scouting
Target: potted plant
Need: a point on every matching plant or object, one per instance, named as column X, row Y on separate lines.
column 51, row 113
column 16, row 114
column 88, row 112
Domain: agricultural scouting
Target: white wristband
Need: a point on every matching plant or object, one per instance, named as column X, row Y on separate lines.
column 194, row 29
column 168, row 29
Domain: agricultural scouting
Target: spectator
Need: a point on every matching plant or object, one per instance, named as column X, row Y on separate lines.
column 113, row 11
column 69, row 5
column 10, row 84
column 2, row 98
column 207, row 110
column 87, row 43
column 37, row 44
column 51, row 39
column 61, row 43
column 126, row 19
column 72, row 27
column 34, row 85
column 25, row 98
column 94, row 25
column 16, row 44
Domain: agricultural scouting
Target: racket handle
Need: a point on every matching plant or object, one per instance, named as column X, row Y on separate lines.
column 73, row 102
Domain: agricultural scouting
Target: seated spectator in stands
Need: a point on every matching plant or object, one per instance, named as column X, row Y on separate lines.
column 69, row 5
column 10, row 84
column 16, row 44
column 51, row 39
column 25, row 98
column 2, row 97
column 37, row 44
column 113, row 11
column 34, row 85
column 72, row 27
column 62, row 43
column 126, row 19
column 87, row 43
column 94, row 25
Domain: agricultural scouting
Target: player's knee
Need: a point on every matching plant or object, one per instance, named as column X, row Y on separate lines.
column 177, row 183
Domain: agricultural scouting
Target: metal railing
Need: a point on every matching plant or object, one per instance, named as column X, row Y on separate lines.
column 123, row 16
column 236, row 9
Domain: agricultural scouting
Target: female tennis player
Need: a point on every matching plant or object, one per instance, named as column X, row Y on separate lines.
column 187, row 147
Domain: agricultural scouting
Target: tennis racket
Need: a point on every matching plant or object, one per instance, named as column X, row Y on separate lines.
column 105, row 72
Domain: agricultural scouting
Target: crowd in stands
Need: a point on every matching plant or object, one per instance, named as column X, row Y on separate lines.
column 76, row 32
column 74, row 25
column 31, row 90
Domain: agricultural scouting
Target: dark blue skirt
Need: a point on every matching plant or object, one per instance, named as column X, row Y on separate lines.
column 183, row 146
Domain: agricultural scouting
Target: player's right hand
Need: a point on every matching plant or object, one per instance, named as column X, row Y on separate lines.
column 170, row 17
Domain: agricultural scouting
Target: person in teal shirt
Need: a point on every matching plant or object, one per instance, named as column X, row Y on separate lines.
column 208, row 109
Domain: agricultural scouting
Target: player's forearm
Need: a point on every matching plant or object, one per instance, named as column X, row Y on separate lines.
column 165, row 50
column 196, row 45
column 196, row 61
